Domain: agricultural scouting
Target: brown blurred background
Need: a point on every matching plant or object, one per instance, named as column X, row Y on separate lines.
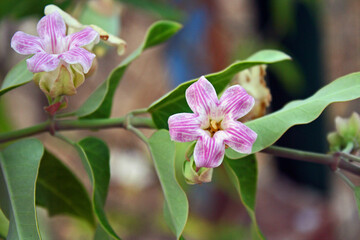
column 323, row 37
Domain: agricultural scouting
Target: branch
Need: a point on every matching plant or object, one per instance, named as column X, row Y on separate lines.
column 333, row 161
column 65, row 125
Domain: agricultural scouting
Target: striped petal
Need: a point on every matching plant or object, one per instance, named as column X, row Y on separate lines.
column 52, row 29
column 26, row 44
column 238, row 136
column 184, row 127
column 42, row 62
column 78, row 55
column 201, row 97
column 236, row 102
column 209, row 151
column 82, row 38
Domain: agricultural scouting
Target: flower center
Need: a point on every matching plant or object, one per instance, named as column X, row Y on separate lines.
column 214, row 126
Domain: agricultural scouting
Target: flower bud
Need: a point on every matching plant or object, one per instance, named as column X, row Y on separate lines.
column 62, row 81
column 196, row 176
column 347, row 134
column 253, row 81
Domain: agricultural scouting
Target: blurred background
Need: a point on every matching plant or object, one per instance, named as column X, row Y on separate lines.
column 295, row 200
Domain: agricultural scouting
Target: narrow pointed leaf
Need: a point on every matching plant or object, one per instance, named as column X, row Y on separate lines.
column 69, row 197
column 19, row 164
column 99, row 104
column 175, row 102
column 95, row 156
column 243, row 175
column 357, row 198
column 4, row 225
column 16, row 77
column 176, row 204
column 271, row 127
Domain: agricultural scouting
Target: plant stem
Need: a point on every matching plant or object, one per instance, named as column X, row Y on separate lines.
column 64, row 125
column 333, row 161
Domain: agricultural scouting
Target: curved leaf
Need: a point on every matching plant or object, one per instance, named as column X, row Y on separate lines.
column 243, row 174
column 4, row 225
column 271, row 127
column 176, row 205
column 69, row 197
column 175, row 102
column 16, row 77
column 95, row 156
column 19, row 164
column 99, row 104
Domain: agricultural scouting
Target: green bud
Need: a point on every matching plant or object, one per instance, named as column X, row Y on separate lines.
column 347, row 134
column 62, row 81
column 203, row 175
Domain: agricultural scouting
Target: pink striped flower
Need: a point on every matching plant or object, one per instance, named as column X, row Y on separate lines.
column 214, row 122
column 53, row 47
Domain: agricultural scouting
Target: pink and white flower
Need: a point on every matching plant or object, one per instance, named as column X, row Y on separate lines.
column 214, row 122
column 53, row 47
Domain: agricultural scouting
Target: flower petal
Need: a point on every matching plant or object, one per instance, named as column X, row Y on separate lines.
column 209, row 151
column 78, row 55
column 52, row 29
column 184, row 127
column 26, row 44
column 238, row 136
column 42, row 62
column 201, row 97
column 236, row 102
column 82, row 38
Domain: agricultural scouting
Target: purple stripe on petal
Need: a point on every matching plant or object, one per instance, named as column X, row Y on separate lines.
column 26, row 44
column 209, row 151
column 184, row 127
column 52, row 29
column 239, row 137
column 78, row 55
column 42, row 62
column 82, row 38
column 236, row 102
column 201, row 97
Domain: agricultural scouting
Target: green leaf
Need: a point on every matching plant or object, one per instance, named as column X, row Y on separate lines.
column 19, row 164
column 4, row 225
column 357, row 197
column 16, row 77
column 99, row 104
column 271, row 127
column 176, row 204
column 175, row 102
column 95, row 156
column 243, row 174
column 69, row 197
column 161, row 9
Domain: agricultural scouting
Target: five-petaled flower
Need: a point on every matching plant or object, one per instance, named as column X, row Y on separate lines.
column 214, row 122
column 53, row 47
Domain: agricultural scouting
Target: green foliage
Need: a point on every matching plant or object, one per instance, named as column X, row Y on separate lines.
column 69, row 197
column 4, row 225
column 158, row 8
column 270, row 127
column 19, row 164
column 175, row 102
column 95, row 156
column 243, row 174
column 357, row 197
column 99, row 104
column 176, row 205
column 16, row 77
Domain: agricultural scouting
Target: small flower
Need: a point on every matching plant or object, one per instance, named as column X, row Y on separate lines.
column 75, row 26
column 214, row 122
column 53, row 47
column 253, row 81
